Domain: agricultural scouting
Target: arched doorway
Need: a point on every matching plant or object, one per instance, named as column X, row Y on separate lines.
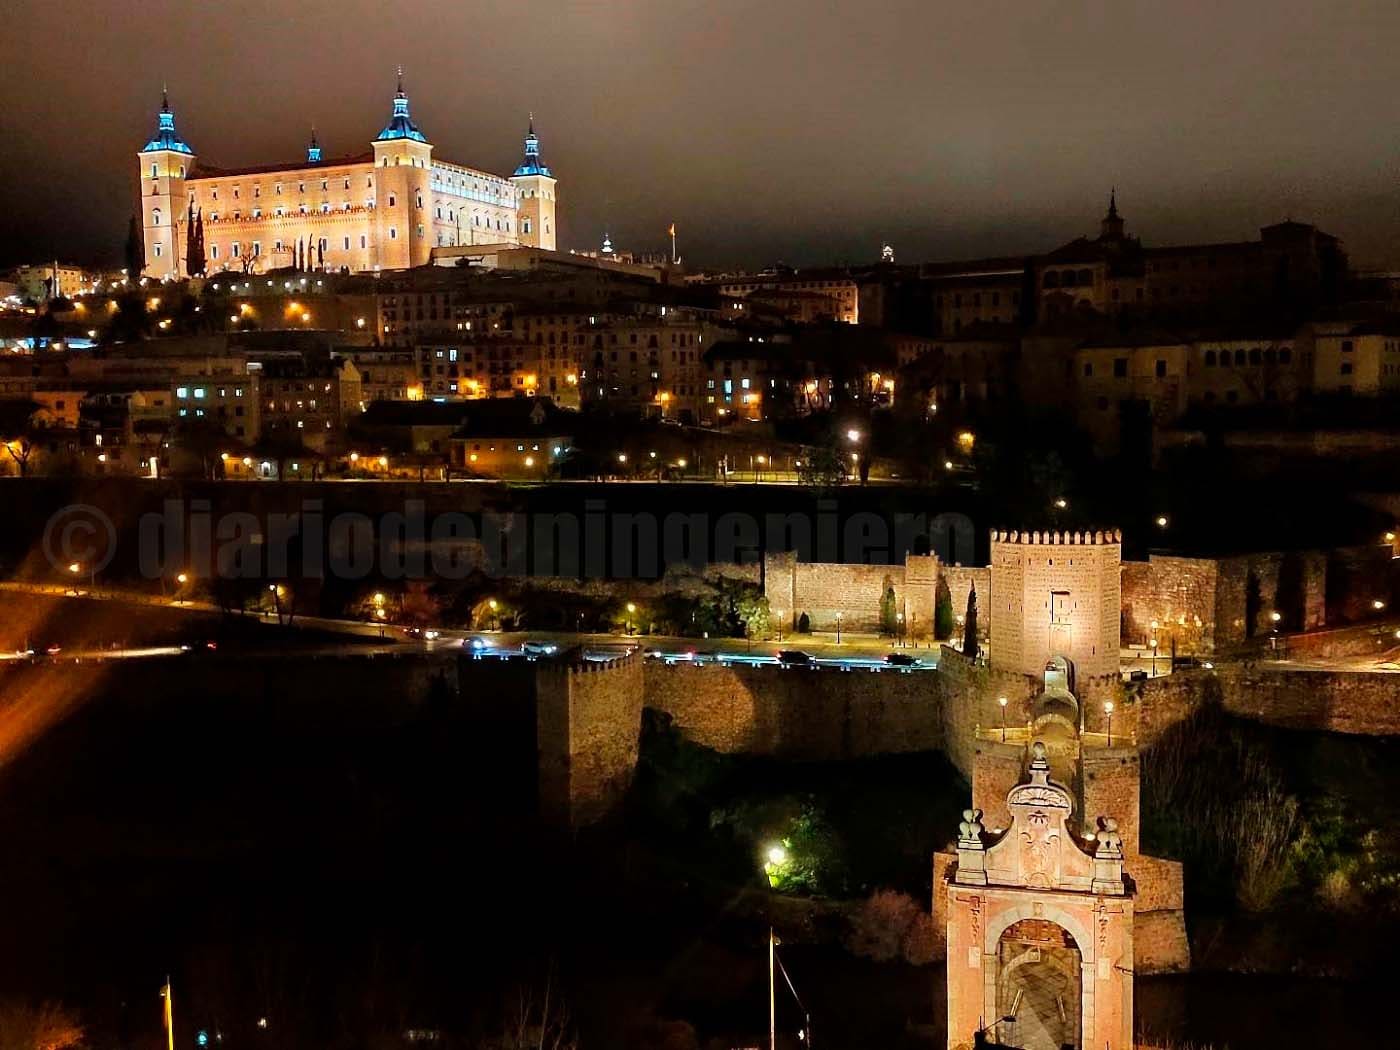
column 1059, row 675
column 1039, row 986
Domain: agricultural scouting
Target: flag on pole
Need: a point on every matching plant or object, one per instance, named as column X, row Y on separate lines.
column 169, row 1016
column 673, row 229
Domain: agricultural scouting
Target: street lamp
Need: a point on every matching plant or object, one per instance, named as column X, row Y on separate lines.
column 839, row 618
column 1108, row 711
column 1154, row 658
column 631, row 608
column 1002, row 701
column 1161, row 521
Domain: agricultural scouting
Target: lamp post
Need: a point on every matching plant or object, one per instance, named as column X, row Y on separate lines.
column 839, row 617
column 631, row 608
column 1154, row 657
column 1001, row 700
column 1108, row 711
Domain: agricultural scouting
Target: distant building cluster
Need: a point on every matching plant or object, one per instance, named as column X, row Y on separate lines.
column 325, row 288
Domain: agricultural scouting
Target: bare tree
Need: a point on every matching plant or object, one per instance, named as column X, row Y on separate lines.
column 48, row 1026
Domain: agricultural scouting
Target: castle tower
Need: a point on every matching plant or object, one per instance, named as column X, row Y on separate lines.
column 1056, row 598
column 1111, row 225
column 163, row 164
column 313, row 149
column 1040, row 927
column 403, row 159
column 536, row 185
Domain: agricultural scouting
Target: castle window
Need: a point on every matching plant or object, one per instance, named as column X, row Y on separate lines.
column 278, row 189
column 182, row 171
column 301, row 187
column 234, row 249
column 157, row 251
column 235, row 193
column 391, row 200
column 1239, row 357
column 214, row 193
column 323, row 184
column 277, row 246
column 257, row 213
column 257, row 191
column 362, row 240
column 1210, row 358
column 420, row 200
column 325, row 208
column 524, row 225
column 154, row 172
column 213, row 251
column 347, row 244
column 279, row 212
column 155, row 217
column 393, row 233
column 257, row 248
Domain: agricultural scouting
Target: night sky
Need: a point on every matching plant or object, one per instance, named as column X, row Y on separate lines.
column 795, row 130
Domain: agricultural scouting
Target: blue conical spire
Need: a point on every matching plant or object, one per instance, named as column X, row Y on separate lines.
column 166, row 136
column 401, row 125
column 313, row 149
column 532, row 164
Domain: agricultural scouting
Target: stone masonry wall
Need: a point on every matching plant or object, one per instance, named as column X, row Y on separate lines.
column 1178, row 594
column 1361, row 702
column 799, row 713
column 970, row 692
column 1056, row 594
column 589, row 717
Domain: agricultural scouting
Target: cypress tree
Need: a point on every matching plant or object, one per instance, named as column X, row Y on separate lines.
column 135, row 252
column 970, row 625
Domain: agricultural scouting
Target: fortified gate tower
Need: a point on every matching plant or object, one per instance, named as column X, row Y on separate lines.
column 1040, row 927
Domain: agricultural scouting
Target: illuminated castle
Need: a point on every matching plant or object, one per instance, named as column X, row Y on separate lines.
column 384, row 209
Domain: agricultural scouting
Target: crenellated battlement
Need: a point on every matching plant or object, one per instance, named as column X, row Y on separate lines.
column 1055, row 537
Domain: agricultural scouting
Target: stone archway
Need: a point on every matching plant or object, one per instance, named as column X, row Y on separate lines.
column 1039, row 986
column 1059, row 675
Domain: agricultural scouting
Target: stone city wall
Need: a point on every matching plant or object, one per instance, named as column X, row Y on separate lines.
column 827, row 591
column 971, row 690
column 818, row 715
column 1177, row 594
column 589, row 716
column 1360, row 702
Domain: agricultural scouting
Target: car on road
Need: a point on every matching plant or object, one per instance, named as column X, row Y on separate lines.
column 795, row 658
column 475, row 645
column 531, row 647
column 901, row 660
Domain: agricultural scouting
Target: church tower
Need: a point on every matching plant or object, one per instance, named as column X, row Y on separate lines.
column 164, row 163
column 403, row 159
column 1111, row 226
column 536, row 184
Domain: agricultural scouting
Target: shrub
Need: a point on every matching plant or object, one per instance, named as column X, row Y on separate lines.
column 890, row 925
column 804, row 624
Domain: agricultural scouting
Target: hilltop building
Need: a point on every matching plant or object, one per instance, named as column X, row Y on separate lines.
column 385, row 208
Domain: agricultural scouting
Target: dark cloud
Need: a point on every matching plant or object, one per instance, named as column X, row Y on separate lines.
column 766, row 129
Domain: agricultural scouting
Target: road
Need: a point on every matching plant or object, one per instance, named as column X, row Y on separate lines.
column 853, row 652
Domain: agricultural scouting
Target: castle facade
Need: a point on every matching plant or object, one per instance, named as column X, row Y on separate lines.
column 383, row 209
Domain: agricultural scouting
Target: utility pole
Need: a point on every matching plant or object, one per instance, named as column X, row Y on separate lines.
column 772, row 996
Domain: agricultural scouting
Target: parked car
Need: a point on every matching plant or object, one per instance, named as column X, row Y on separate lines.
column 901, row 660
column 795, row 658
column 531, row 647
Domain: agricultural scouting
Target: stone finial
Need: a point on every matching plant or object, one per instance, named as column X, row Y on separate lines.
column 970, row 830
column 1038, row 760
column 1109, row 842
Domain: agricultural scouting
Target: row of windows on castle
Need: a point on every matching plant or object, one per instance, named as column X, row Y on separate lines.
column 478, row 219
column 452, row 185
